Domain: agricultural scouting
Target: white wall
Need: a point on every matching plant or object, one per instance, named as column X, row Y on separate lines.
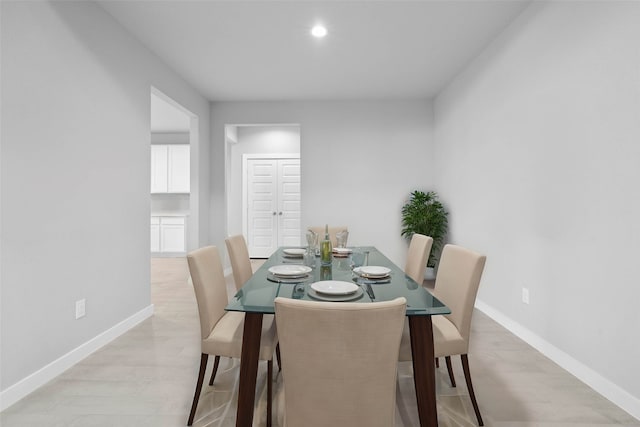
column 169, row 137
column 75, row 169
column 254, row 140
column 537, row 156
column 170, row 204
column 359, row 160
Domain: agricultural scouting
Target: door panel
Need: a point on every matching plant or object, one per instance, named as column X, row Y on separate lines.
column 261, row 205
column 289, row 202
column 179, row 169
column 159, row 156
column 155, row 237
column 172, row 238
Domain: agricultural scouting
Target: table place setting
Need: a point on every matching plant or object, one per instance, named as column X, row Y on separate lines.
column 342, row 252
column 294, row 252
column 334, row 290
column 299, row 256
column 288, row 273
column 372, row 274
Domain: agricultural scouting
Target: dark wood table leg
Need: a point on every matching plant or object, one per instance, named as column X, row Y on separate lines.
column 424, row 374
column 249, row 368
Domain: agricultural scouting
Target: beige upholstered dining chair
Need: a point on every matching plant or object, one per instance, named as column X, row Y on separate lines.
column 242, row 270
column 222, row 330
column 339, row 361
column 332, row 233
column 240, row 261
column 419, row 250
column 457, row 282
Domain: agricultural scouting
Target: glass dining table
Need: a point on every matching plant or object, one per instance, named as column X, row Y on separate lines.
column 256, row 298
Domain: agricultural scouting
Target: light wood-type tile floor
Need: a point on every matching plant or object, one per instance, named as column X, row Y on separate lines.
column 147, row 376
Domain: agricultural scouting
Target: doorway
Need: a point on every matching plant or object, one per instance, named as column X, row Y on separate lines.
column 272, row 152
column 173, row 131
column 271, row 202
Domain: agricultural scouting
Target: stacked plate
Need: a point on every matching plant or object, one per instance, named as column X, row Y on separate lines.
column 372, row 272
column 289, row 273
column 294, row 252
column 335, row 290
column 341, row 252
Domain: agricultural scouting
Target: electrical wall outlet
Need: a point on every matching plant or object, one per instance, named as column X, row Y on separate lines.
column 80, row 308
column 525, row 295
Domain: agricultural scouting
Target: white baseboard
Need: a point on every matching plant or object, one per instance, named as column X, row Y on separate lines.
column 606, row 388
column 29, row 384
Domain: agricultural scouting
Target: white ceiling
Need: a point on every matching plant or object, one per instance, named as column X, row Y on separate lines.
column 262, row 50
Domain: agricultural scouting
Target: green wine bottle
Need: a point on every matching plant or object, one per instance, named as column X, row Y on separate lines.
column 326, row 251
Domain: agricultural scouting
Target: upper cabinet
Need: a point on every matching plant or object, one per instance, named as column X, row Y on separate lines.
column 159, row 169
column 178, row 180
column 170, row 168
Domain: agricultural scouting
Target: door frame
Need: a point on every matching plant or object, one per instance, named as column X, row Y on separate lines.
column 245, row 190
column 192, row 220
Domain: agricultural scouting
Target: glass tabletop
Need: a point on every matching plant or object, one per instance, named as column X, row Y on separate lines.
column 263, row 287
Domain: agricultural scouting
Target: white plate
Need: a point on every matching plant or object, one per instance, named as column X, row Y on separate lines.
column 342, row 251
column 290, row 270
column 294, row 251
column 372, row 271
column 335, row 298
column 334, row 287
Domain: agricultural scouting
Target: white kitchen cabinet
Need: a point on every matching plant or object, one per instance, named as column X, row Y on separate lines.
column 178, row 178
column 170, row 168
column 155, row 234
column 159, row 168
column 168, row 234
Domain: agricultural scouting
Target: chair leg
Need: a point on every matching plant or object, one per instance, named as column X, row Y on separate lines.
column 450, row 370
column 269, row 390
column 467, row 377
column 215, row 369
column 278, row 357
column 203, row 367
column 437, row 362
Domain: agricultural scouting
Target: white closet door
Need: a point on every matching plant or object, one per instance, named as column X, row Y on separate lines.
column 262, row 239
column 273, row 205
column 289, row 202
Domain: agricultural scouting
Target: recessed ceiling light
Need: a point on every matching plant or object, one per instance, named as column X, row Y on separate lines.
column 319, row 31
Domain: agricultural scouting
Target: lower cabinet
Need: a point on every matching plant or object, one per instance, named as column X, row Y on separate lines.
column 155, row 234
column 168, row 234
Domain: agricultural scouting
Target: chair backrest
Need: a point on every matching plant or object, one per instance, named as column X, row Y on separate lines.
column 209, row 285
column 417, row 256
column 240, row 261
column 457, row 281
column 339, row 361
column 332, row 233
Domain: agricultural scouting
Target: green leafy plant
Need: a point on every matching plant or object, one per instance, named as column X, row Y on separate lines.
column 425, row 214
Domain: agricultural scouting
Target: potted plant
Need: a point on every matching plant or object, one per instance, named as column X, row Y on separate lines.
column 425, row 214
